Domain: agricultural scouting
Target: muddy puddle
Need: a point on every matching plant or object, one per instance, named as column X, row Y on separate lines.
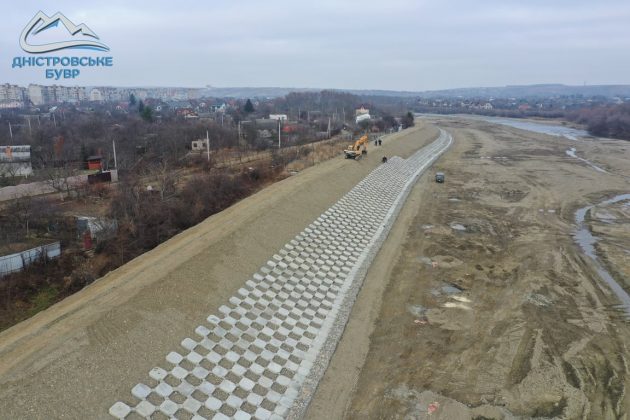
column 586, row 241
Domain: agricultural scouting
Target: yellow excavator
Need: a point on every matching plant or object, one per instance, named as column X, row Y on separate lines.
column 358, row 149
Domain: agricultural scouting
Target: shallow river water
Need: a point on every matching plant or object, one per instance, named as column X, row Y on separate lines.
column 586, row 241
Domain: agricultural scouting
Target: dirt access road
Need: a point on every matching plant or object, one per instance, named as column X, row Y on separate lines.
column 480, row 305
column 75, row 359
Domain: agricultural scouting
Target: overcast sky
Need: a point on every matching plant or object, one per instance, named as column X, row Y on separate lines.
column 368, row 44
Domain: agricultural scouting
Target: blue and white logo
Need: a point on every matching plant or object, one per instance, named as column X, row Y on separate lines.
column 41, row 22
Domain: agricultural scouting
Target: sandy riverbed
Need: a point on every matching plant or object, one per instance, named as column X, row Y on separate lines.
column 504, row 318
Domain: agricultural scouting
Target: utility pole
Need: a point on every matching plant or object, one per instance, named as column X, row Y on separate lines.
column 30, row 129
column 115, row 161
column 10, row 131
column 278, row 132
column 238, row 143
column 208, row 144
column 328, row 127
column 54, row 119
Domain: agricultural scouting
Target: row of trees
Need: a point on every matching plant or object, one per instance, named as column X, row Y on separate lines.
column 605, row 121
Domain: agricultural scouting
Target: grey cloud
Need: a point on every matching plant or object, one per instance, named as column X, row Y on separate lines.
column 394, row 44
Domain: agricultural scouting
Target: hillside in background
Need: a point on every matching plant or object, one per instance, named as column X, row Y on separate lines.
column 524, row 91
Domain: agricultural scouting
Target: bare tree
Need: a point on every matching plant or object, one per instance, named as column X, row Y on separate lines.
column 165, row 176
column 63, row 178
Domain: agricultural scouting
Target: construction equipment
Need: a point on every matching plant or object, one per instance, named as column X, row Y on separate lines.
column 358, row 149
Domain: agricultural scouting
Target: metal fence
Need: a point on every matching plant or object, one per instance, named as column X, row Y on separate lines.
column 16, row 262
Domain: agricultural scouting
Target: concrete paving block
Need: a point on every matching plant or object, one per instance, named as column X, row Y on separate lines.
column 280, row 412
column 255, row 399
column 119, row 410
column 140, row 391
column 273, row 396
column 206, row 387
column 234, row 401
column 174, row 358
column 194, row 357
column 200, row 372
column 241, row 415
column 158, row 373
column 267, row 355
column 265, row 382
column 250, row 356
column 214, row 357
column 225, row 343
column 259, row 343
column 227, row 386
column 257, row 369
column 213, row 403
column 232, row 356
column 169, row 408
column 241, row 344
column 292, row 366
column 239, row 370
column 291, row 392
column 145, row 408
column 285, row 402
column 189, row 344
column 179, row 372
column 240, row 312
column 202, row 331
column 246, row 384
column 163, row 389
column 219, row 371
column 274, row 367
column 191, row 405
column 262, row 414
column 304, row 369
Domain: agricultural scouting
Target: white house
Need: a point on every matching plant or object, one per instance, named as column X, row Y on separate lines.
column 362, row 117
column 199, row 145
column 362, row 111
column 96, row 95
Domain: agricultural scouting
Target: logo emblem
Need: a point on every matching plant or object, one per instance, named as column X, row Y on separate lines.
column 41, row 22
